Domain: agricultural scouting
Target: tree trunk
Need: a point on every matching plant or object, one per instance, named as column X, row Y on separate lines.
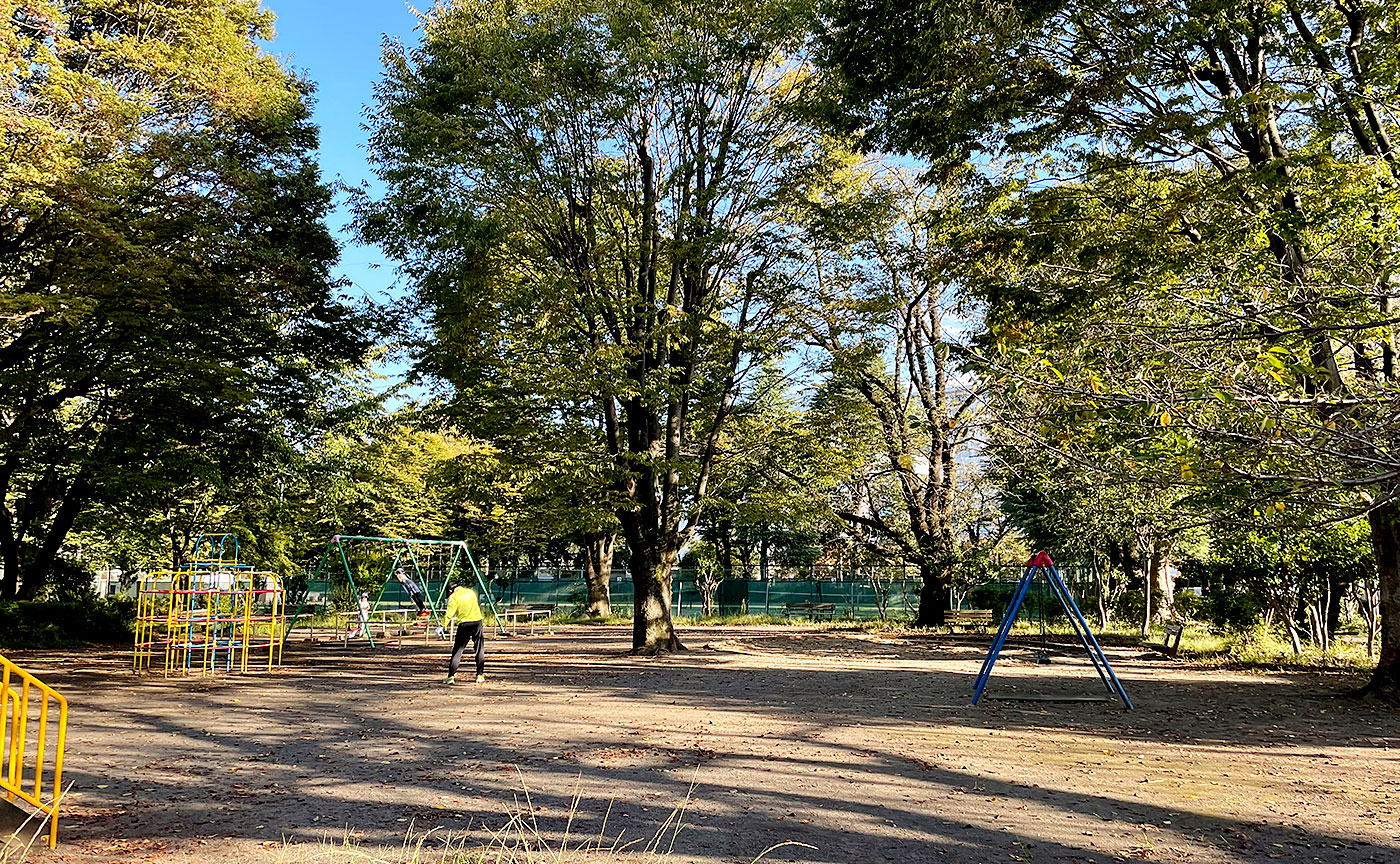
column 726, row 549
column 9, row 555
column 39, row 563
column 1385, row 540
column 598, row 556
column 653, row 631
column 934, row 593
column 1336, row 591
column 1101, row 590
column 1163, row 583
column 1147, row 602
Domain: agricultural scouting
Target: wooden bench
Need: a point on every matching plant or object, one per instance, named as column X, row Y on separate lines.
column 810, row 610
column 965, row 618
column 529, row 611
column 1171, row 640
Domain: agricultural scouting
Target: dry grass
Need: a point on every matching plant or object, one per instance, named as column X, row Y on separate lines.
column 518, row 839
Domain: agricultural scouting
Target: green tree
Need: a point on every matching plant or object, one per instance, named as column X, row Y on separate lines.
column 164, row 263
column 1243, row 154
column 881, row 311
column 581, row 195
column 769, row 494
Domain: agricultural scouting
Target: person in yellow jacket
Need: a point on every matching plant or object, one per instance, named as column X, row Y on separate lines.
column 464, row 608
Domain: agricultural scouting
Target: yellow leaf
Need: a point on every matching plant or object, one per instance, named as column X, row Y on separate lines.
column 1166, row 418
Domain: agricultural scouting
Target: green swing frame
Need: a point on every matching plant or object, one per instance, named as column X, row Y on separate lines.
column 402, row 545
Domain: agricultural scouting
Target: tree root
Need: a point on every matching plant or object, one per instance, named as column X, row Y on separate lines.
column 1379, row 692
column 670, row 646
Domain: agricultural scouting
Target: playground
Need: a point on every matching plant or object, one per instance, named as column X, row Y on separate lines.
column 858, row 746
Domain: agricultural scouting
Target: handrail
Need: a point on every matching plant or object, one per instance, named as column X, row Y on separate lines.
column 14, row 718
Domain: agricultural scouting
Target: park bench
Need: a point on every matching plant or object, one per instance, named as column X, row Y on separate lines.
column 1171, row 640
column 810, row 610
column 965, row 618
column 529, row 611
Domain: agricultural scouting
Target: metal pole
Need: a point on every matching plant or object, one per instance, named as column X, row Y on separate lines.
column 354, row 589
column 1007, row 620
column 484, row 590
column 302, row 604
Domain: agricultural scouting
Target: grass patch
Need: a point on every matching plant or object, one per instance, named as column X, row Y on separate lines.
column 576, row 616
column 1265, row 649
column 1260, row 649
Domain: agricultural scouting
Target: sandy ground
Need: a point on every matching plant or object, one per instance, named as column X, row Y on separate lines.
column 862, row 747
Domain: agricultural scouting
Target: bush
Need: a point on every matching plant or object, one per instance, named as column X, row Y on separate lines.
column 993, row 597
column 1187, row 605
column 70, row 582
column 1233, row 611
column 58, row 624
column 1129, row 606
column 1040, row 601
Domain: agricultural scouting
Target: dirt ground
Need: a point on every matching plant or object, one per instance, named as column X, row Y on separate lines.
column 861, row 747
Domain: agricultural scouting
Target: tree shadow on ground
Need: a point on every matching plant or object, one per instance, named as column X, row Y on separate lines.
column 352, row 738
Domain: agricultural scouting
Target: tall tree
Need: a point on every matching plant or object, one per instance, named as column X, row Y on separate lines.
column 164, row 263
column 1260, row 136
column 580, row 192
column 882, row 311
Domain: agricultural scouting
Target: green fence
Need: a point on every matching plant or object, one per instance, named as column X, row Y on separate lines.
column 852, row 598
column 732, row 596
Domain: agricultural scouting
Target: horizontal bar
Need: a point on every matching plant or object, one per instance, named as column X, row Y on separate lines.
column 408, row 540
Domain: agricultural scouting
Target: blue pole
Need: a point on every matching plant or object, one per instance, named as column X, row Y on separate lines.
column 1007, row 621
column 1074, row 610
column 1067, row 600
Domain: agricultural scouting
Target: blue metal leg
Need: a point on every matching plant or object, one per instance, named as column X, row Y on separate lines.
column 1012, row 611
column 1079, row 616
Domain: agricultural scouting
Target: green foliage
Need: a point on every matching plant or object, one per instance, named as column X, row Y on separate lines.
column 583, row 197
column 1187, row 258
column 71, row 582
column 64, row 623
column 1231, row 610
column 1271, row 574
column 168, row 308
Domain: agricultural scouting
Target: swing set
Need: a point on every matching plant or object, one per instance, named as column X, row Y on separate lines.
column 431, row 564
column 1041, row 566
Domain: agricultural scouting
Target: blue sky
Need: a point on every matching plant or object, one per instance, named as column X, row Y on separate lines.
column 336, row 43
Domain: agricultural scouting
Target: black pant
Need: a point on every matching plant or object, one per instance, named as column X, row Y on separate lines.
column 475, row 632
column 417, row 599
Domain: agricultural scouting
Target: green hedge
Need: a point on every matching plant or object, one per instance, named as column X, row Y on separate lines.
column 58, row 624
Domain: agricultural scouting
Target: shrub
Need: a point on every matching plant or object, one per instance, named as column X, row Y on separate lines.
column 1187, row 605
column 1233, row 611
column 57, row 624
column 993, row 597
column 1129, row 606
column 70, row 582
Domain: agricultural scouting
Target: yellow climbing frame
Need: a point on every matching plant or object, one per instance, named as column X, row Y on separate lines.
column 26, row 747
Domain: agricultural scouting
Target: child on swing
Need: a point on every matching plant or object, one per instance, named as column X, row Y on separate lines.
column 414, row 591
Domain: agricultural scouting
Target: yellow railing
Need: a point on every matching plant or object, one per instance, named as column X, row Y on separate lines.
column 24, row 777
